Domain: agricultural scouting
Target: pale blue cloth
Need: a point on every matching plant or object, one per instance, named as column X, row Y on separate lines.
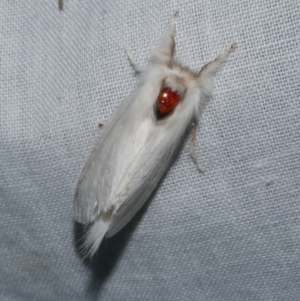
column 230, row 233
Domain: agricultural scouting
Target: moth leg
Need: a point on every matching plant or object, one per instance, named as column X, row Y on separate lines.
column 192, row 148
column 212, row 66
column 163, row 55
column 61, row 4
column 137, row 68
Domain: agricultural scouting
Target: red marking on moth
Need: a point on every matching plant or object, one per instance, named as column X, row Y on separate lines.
column 167, row 100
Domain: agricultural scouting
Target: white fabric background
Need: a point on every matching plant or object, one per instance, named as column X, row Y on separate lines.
column 230, row 233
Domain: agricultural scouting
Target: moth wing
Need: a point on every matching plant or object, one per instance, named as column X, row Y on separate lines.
column 97, row 175
column 127, row 163
column 160, row 159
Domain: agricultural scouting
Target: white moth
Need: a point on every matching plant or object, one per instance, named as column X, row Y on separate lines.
column 140, row 141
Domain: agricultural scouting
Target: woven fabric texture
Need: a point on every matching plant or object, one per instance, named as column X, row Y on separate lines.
column 230, row 233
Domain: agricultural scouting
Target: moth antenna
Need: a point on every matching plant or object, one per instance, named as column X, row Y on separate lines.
column 205, row 74
column 136, row 67
column 212, row 66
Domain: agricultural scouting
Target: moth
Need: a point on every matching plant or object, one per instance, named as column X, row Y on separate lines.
column 140, row 141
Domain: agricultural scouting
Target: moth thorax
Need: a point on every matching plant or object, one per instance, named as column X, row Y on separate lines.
column 167, row 100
